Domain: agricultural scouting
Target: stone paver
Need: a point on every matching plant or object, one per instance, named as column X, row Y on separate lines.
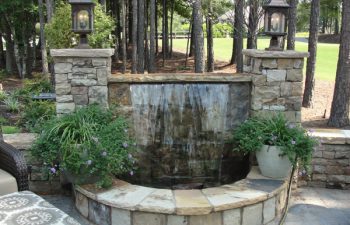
column 318, row 206
column 160, row 200
column 191, row 202
column 125, row 197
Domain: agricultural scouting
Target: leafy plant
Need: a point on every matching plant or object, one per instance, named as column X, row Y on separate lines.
column 12, row 104
column 295, row 142
column 3, row 95
column 90, row 141
column 36, row 113
column 10, row 129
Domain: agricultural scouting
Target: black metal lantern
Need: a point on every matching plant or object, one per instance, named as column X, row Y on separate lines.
column 276, row 15
column 82, row 20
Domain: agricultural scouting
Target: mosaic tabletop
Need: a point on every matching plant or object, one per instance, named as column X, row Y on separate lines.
column 27, row 208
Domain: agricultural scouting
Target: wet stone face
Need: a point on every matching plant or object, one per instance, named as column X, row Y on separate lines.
column 182, row 130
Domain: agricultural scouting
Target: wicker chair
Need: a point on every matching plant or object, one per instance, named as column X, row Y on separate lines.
column 12, row 161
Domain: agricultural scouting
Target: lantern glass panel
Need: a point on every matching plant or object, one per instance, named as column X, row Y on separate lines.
column 277, row 23
column 83, row 20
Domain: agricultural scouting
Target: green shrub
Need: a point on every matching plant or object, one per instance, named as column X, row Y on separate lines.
column 36, row 113
column 12, row 104
column 3, row 95
column 10, row 130
column 3, row 120
column 89, row 141
column 59, row 34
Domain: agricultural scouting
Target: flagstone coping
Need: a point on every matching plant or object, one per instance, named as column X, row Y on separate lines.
column 180, row 78
column 252, row 190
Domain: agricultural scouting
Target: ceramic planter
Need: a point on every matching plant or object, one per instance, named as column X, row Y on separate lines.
column 271, row 163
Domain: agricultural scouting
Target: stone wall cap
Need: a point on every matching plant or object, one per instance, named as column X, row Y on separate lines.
column 179, row 78
column 289, row 54
column 331, row 136
column 83, row 53
column 254, row 189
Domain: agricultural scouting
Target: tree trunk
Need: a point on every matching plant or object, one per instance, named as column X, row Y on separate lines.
column 146, row 58
column 156, row 10
column 198, row 37
column 122, row 5
column 336, row 26
column 210, row 50
column 163, row 32
column 311, row 61
column 324, row 25
column 292, row 24
column 171, row 27
column 235, row 36
column 141, row 37
column 134, row 34
column 130, row 21
column 10, row 50
column 239, row 35
column 341, row 100
column 253, row 20
column 49, row 10
column 44, row 61
column 2, row 54
column 192, row 37
column 152, row 51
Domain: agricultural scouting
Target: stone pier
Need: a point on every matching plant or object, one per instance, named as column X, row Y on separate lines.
column 277, row 81
column 81, row 77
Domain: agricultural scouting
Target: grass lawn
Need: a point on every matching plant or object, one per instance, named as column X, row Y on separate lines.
column 327, row 55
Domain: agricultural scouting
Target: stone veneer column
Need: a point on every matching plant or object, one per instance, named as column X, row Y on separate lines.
column 81, row 77
column 277, row 81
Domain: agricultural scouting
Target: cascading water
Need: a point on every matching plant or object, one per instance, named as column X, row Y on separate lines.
column 182, row 128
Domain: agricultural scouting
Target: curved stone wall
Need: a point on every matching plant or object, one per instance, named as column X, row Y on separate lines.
column 255, row 200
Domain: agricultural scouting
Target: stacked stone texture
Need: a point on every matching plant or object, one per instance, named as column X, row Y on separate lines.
column 81, row 78
column 276, row 81
column 331, row 164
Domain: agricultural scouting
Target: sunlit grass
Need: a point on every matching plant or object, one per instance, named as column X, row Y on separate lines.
column 327, row 54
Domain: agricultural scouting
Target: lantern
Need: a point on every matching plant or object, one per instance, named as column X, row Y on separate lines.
column 276, row 14
column 82, row 20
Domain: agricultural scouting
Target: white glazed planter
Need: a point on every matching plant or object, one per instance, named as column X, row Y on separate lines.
column 271, row 163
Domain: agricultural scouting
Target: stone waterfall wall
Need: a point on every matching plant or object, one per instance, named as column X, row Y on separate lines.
column 276, row 81
column 81, row 77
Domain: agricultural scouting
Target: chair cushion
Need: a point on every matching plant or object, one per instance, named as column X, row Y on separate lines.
column 8, row 183
column 27, row 208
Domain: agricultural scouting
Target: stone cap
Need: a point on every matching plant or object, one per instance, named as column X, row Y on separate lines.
column 331, row 136
column 82, row 53
column 289, row 54
column 179, row 78
column 255, row 188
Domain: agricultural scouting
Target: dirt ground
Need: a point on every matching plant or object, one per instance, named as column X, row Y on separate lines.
column 316, row 116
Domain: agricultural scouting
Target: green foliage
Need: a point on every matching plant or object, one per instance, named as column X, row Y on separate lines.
column 90, row 141
column 3, row 95
column 12, row 104
column 103, row 27
column 36, row 86
column 2, row 120
column 36, row 113
column 10, row 130
column 59, row 34
column 303, row 16
column 294, row 141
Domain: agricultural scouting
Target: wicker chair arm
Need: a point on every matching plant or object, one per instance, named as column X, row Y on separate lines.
column 12, row 161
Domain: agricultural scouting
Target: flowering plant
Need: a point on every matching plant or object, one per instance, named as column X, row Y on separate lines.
column 295, row 142
column 90, row 142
